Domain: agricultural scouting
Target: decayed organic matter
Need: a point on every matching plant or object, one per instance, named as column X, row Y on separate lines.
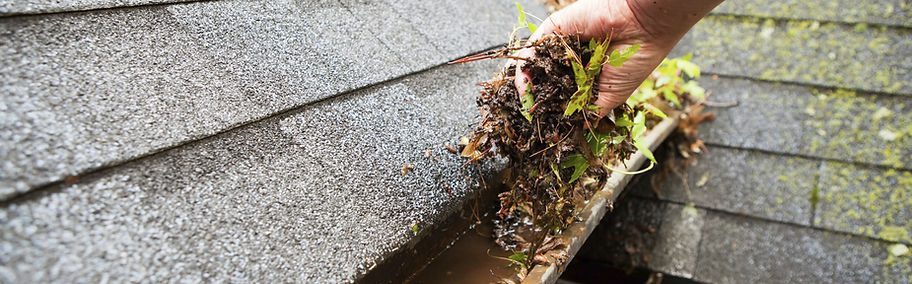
column 560, row 152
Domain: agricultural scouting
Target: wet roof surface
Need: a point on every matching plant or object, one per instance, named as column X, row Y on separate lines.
column 800, row 182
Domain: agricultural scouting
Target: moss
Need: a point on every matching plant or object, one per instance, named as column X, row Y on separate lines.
column 780, row 185
column 848, row 125
column 896, row 264
column 830, row 54
column 872, row 202
column 893, row 12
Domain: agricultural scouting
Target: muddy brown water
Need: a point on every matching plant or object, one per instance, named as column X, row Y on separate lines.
column 471, row 259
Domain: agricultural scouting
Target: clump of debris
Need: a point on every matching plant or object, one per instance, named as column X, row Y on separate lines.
column 560, row 151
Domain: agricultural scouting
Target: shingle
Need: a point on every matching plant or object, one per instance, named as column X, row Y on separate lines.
column 86, row 89
column 890, row 12
column 287, row 53
column 19, row 7
column 874, row 202
column 744, row 250
column 678, row 240
column 280, row 200
column 743, row 182
column 627, row 235
column 826, row 54
column 646, row 233
column 834, row 124
column 377, row 19
column 460, row 28
column 89, row 89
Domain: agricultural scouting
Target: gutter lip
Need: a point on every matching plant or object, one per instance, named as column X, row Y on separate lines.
column 601, row 203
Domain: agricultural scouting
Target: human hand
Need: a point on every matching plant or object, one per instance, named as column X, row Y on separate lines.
column 655, row 24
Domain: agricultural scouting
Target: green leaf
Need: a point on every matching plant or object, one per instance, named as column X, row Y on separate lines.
column 618, row 58
column 579, row 74
column 598, row 58
column 522, row 20
column 662, row 81
column 527, row 102
column 693, row 89
column 579, row 164
column 592, row 44
column 519, row 259
column 643, row 148
column 639, row 127
column 645, row 92
column 687, row 57
column 414, row 228
column 689, row 68
column 522, row 15
column 598, row 142
column 654, row 110
column 618, row 139
column 623, row 121
column 668, row 94
column 578, row 100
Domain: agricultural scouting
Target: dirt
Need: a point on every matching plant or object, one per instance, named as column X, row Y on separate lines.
column 541, row 191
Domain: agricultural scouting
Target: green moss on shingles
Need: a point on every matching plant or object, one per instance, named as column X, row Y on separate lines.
column 829, row 54
column 847, row 126
column 891, row 12
column 896, row 264
column 785, row 180
column 872, row 202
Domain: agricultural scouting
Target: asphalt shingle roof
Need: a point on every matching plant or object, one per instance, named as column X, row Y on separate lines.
column 233, row 140
column 805, row 180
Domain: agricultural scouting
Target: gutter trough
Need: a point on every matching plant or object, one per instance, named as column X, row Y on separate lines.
column 601, row 203
column 459, row 252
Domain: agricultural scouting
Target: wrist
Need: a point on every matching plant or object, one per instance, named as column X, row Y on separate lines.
column 669, row 20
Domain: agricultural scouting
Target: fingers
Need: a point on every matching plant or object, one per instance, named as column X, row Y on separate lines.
column 521, row 78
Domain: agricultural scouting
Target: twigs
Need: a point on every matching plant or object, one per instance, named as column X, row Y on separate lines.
column 504, row 52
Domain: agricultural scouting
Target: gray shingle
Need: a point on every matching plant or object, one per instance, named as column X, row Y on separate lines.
column 280, row 200
column 744, row 182
column 646, row 233
column 678, row 240
column 459, row 28
column 827, row 54
column 889, row 12
column 627, row 235
column 84, row 90
column 744, row 250
column 867, row 201
column 287, row 53
column 377, row 19
column 787, row 118
column 19, row 7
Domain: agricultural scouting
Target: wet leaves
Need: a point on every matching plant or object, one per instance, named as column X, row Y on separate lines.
column 578, row 163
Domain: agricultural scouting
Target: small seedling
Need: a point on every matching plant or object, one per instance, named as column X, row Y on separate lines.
column 414, row 227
